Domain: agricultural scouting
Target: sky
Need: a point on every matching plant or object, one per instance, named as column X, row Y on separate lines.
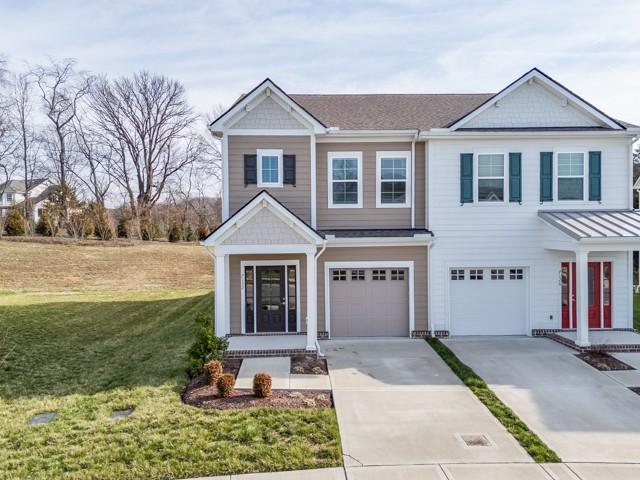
column 220, row 49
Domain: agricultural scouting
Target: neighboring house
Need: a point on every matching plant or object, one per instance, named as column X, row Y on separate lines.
column 15, row 194
column 410, row 215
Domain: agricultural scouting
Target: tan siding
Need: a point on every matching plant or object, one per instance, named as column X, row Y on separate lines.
column 345, row 254
column 420, row 186
column 298, row 198
column 235, row 284
column 369, row 216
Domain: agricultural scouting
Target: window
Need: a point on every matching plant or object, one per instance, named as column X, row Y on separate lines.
column 570, row 176
column 476, row 274
column 345, row 179
column 516, row 274
column 249, row 299
column 339, row 275
column 457, row 274
column 9, row 197
column 270, row 168
column 379, row 275
column 291, row 287
column 497, row 274
column 357, row 274
column 397, row 274
column 491, row 177
column 393, row 179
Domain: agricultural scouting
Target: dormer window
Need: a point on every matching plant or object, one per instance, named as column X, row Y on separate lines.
column 269, row 168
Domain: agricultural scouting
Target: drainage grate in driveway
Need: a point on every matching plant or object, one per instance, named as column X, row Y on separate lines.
column 476, row 440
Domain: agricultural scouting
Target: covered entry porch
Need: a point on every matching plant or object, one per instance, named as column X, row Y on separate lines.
column 586, row 239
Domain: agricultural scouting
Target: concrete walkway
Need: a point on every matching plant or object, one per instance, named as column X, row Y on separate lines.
column 281, row 379
column 583, row 414
column 470, row 471
column 399, row 404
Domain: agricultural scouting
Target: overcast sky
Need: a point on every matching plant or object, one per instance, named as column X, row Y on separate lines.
column 221, row 49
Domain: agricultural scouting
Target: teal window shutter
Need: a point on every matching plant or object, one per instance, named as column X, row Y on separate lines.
column 595, row 176
column 466, row 178
column 546, row 176
column 515, row 177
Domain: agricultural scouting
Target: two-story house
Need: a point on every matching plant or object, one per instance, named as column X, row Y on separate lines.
column 414, row 215
column 14, row 192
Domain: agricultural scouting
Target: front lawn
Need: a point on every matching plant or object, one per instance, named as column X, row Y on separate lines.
column 85, row 354
column 636, row 312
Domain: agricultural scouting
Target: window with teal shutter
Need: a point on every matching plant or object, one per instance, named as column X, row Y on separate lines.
column 466, row 178
column 515, row 177
column 595, row 176
column 546, row 176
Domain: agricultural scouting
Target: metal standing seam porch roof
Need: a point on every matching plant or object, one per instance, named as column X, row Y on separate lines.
column 596, row 224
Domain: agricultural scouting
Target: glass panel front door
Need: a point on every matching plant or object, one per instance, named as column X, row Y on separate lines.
column 598, row 294
column 271, row 299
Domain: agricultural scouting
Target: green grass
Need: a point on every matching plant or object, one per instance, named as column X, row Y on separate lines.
column 535, row 447
column 636, row 312
column 84, row 354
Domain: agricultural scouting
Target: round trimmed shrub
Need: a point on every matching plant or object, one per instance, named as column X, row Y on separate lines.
column 213, row 369
column 262, row 385
column 225, row 384
column 14, row 224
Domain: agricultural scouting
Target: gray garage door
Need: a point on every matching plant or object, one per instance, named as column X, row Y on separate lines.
column 369, row 302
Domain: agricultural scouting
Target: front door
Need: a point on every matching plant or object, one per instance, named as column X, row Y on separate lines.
column 271, row 299
column 598, row 295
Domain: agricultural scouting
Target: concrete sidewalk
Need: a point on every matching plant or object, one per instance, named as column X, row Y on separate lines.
column 458, row 471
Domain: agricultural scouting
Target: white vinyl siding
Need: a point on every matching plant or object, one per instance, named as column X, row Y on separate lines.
column 509, row 235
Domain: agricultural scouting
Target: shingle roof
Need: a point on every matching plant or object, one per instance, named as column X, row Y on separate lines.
column 18, row 185
column 581, row 224
column 390, row 111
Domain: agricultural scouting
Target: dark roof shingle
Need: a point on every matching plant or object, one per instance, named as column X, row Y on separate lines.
column 390, row 111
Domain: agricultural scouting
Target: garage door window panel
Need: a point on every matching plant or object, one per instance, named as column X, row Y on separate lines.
column 397, row 275
column 516, row 274
column 491, row 178
column 497, row 274
column 476, row 274
column 357, row 275
column 339, row 275
column 457, row 274
column 379, row 275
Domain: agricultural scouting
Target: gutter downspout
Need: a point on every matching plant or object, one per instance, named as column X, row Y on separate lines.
column 315, row 259
column 413, row 179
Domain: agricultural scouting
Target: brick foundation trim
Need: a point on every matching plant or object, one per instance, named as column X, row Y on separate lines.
column 266, row 353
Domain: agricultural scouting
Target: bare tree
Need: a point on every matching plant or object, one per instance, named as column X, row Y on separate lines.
column 96, row 160
column 27, row 142
column 7, row 142
column 150, row 126
column 61, row 89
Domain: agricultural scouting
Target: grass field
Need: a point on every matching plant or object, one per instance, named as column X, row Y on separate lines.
column 636, row 312
column 84, row 351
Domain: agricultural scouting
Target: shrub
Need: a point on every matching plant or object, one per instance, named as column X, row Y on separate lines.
column 262, row 385
column 14, row 225
column 213, row 368
column 150, row 229
column 175, row 233
column 189, row 234
column 124, row 224
column 202, row 231
column 101, row 221
column 225, row 385
column 207, row 346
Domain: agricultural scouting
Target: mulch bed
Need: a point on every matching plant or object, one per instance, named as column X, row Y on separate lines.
column 603, row 361
column 308, row 364
column 198, row 394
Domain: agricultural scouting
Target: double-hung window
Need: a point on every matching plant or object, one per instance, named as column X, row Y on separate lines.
column 571, row 176
column 270, row 168
column 491, row 177
column 345, row 179
column 393, row 179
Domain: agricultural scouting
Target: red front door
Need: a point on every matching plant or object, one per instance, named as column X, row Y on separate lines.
column 599, row 294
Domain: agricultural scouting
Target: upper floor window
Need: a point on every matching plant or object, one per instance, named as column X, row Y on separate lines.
column 491, row 177
column 270, row 168
column 345, row 179
column 571, row 176
column 393, row 176
column 9, row 197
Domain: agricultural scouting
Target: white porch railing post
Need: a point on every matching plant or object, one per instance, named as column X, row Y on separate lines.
column 582, row 300
column 220, row 298
column 312, row 300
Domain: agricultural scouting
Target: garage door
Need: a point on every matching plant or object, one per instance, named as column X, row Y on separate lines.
column 488, row 301
column 369, row 302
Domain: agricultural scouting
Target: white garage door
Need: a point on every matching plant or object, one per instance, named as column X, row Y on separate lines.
column 488, row 301
column 369, row 302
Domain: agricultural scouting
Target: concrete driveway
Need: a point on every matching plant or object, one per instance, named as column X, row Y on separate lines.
column 581, row 413
column 399, row 404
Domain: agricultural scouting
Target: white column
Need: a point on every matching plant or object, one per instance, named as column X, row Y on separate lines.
column 220, row 296
column 582, row 300
column 312, row 300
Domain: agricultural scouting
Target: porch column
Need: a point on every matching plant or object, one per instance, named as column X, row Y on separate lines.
column 582, row 300
column 220, row 296
column 312, row 300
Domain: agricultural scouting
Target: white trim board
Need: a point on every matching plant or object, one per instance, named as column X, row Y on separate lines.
column 328, row 266
column 268, row 263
